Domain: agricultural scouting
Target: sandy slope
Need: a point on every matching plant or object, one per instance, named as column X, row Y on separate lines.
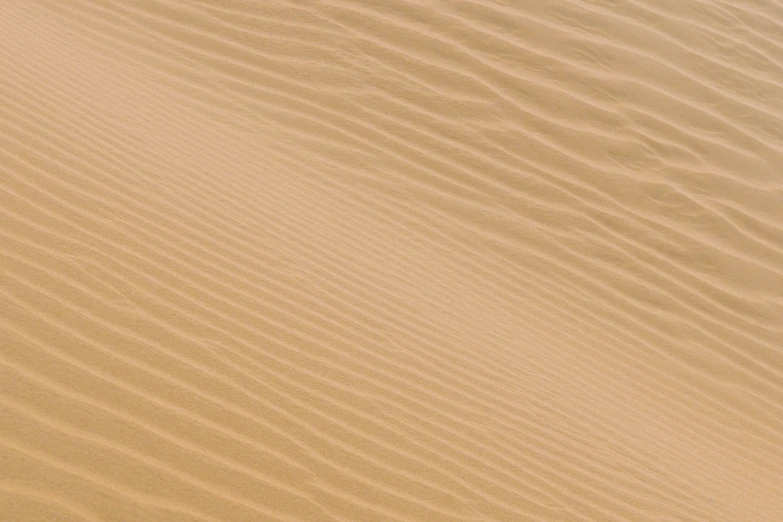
column 402, row 260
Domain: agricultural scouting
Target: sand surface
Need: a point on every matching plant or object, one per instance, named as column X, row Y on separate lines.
column 404, row 260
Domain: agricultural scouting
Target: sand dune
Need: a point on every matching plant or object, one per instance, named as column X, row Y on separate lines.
column 411, row 260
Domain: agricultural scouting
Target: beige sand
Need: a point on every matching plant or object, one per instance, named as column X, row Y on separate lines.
column 447, row 260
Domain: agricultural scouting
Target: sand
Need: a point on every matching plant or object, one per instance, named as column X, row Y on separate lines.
column 369, row 260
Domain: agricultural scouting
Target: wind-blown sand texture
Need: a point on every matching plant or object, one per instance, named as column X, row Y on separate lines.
column 447, row 260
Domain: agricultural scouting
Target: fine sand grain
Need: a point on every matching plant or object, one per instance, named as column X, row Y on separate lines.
column 405, row 260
